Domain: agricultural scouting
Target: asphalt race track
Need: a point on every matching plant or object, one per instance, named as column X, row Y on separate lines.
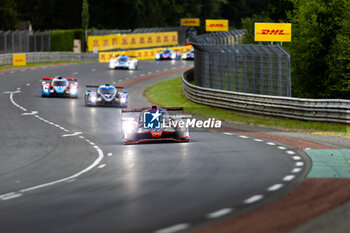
column 63, row 167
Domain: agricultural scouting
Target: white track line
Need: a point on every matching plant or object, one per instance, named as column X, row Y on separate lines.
column 296, row 170
column 70, row 135
column 299, row 164
column 30, row 113
column 275, row 187
column 10, row 196
column 253, row 199
column 175, row 228
column 289, row 177
column 94, row 164
column 219, row 213
column 290, row 152
column 14, row 103
column 228, row 133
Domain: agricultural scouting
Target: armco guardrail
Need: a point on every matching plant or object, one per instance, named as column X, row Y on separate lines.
column 326, row 110
column 41, row 57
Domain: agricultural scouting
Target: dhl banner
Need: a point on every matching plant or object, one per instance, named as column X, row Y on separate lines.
column 143, row 54
column 19, row 59
column 280, row 32
column 190, row 22
column 215, row 25
column 132, row 41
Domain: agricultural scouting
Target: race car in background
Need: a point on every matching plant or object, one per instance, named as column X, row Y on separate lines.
column 59, row 86
column 106, row 95
column 167, row 54
column 152, row 125
column 188, row 55
column 123, row 62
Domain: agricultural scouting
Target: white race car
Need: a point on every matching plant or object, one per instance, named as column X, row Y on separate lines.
column 188, row 55
column 123, row 62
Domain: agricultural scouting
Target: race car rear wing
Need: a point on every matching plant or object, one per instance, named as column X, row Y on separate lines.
column 68, row 79
column 152, row 108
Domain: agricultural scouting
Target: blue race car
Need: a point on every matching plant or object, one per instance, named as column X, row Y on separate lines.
column 106, row 95
column 188, row 55
column 167, row 54
column 59, row 86
column 122, row 62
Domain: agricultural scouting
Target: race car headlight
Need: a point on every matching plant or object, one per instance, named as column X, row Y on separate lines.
column 73, row 90
column 173, row 56
column 93, row 99
column 128, row 126
column 157, row 55
column 122, row 100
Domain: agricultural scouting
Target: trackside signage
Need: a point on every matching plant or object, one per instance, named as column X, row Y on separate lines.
column 190, row 22
column 279, row 32
column 216, row 25
column 19, row 60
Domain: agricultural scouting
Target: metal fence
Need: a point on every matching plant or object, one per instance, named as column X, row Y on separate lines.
column 109, row 32
column 230, row 37
column 24, row 41
column 222, row 63
column 40, row 57
column 326, row 110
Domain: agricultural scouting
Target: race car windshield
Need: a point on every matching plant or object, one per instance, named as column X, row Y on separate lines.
column 60, row 83
column 166, row 51
column 104, row 91
column 123, row 59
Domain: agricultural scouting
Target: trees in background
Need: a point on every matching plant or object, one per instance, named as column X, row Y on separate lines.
column 320, row 48
column 85, row 16
column 8, row 15
column 129, row 14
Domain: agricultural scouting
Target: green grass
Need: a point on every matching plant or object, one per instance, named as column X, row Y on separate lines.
column 43, row 64
column 169, row 93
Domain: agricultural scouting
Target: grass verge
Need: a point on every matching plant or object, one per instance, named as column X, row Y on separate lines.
column 169, row 93
column 43, row 64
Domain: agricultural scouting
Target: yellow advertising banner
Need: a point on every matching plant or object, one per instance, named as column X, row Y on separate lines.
column 216, row 25
column 190, row 22
column 103, row 42
column 142, row 54
column 132, row 41
column 280, row 32
column 106, row 56
column 19, row 59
